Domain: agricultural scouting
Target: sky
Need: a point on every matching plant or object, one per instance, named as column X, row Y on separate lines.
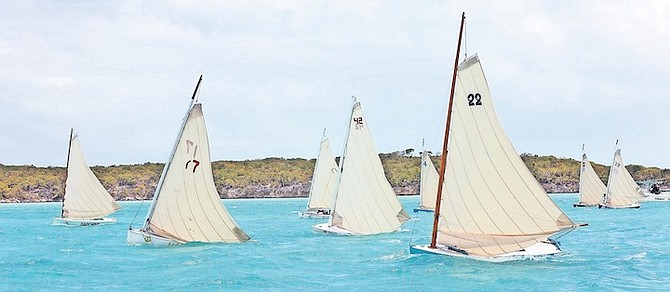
column 276, row 73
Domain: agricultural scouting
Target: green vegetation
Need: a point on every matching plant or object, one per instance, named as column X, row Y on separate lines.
column 277, row 177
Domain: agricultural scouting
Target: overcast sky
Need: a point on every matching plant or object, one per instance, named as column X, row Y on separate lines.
column 276, row 73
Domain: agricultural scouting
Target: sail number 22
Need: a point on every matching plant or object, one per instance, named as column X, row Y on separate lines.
column 474, row 99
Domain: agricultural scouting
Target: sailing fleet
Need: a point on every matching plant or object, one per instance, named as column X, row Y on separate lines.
column 486, row 203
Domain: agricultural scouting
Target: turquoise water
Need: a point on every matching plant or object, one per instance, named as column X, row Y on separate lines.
column 620, row 250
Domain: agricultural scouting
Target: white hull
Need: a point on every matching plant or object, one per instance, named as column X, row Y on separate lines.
column 139, row 237
column 540, row 249
column 327, row 228
column 631, row 206
column 314, row 213
column 648, row 197
column 582, row 204
column 71, row 222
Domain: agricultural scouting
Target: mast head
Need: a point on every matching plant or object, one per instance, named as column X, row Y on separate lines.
column 195, row 92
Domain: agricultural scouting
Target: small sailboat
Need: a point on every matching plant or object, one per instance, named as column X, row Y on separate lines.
column 622, row 191
column 323, row 182
column 489, row 206
column 85, row 202
column 591, row 188
column 364, row 201
column 428, row 184
column 186, row 206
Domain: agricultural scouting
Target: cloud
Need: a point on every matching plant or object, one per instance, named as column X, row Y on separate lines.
column 58, row 81
column 277, row 73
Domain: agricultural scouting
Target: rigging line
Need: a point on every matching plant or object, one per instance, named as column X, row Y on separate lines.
column 411, row 235
column 130, row 226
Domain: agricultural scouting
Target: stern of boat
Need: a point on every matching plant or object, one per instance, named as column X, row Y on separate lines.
column 140, row 237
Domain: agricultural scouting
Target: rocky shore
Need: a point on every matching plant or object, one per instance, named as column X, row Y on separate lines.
column 273, row 177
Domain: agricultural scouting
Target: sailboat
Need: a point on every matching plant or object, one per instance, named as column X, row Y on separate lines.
column 622, row 191
column 186, row 206
column 591, row 188
column 428, row 184
column 85, row 201
column 489, row 206
column 323, row 182
column 364, row 201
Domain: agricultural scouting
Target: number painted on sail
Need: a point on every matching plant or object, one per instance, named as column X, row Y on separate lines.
column 474, row 99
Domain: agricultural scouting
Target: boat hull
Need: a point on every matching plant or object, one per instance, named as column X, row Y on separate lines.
column 416, row 210
column 540, row 249
column 631, row 206
column 321, row 213
column 327, row 228
column 71, row 222
column 581, row 204
column 663, row 197
column 140, row 237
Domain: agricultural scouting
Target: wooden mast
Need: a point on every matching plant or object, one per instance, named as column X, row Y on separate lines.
column 443, row 158
column 67, row 166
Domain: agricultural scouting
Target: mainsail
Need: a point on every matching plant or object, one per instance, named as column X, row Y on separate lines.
column 365, row 202
column 324, row 178
column 428, row 184
column 621, row 187
column 85, row 197
column 591, row 188
column 186, row 205
column 491, row 203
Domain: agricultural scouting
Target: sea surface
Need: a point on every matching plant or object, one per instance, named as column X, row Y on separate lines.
column 619, row 250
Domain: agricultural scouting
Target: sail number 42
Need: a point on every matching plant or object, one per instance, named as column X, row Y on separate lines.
column 474, row 99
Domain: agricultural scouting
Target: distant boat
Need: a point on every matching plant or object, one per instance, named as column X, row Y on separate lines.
column 489, row 206
column 186, row 206
column 365, row 202
column 428, row 184
column 85, row 201
column 591, row 188
column 323, row 183
column 652, row 192
column 622, row 191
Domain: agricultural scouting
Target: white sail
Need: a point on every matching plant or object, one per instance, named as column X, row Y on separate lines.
column 324, row 178
column 621, row 187
column 428, row 184
column 85, row 197
column 187, row 207
column 491, row 203
column 365, row 201
column 591, row 188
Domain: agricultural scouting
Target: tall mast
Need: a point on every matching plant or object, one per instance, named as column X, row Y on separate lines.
column 67, row 166
column 582, row 165
column 341, row 163
column 608, row 191
column 316, row 166
column 443, row 158
column 169, row 161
